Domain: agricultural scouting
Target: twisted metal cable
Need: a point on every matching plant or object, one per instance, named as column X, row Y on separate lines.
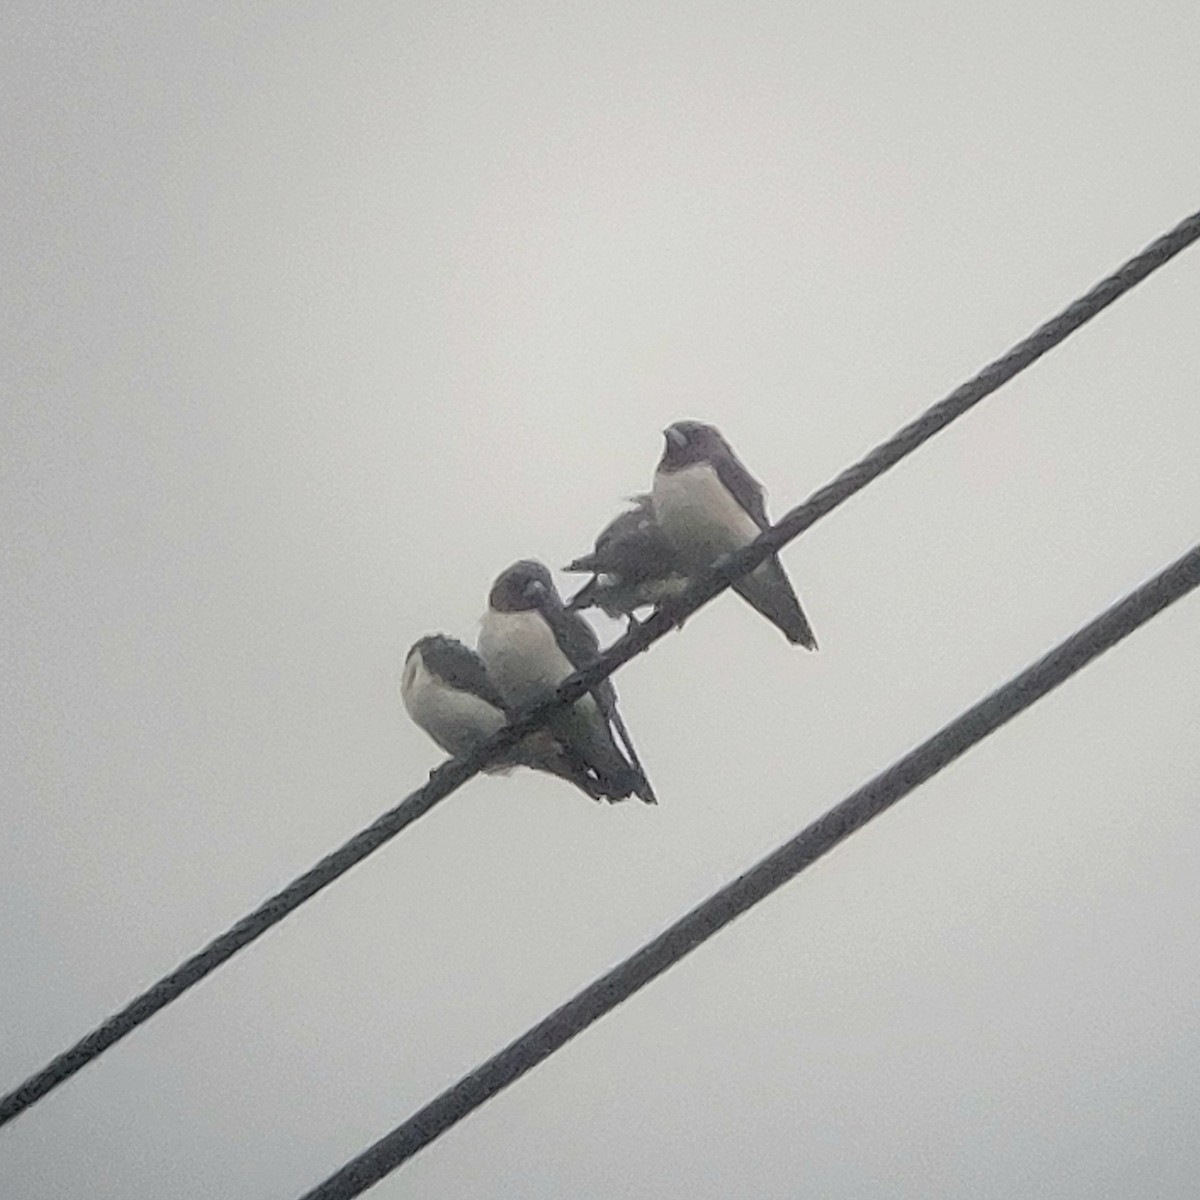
column 770, row 873
column 455, row 772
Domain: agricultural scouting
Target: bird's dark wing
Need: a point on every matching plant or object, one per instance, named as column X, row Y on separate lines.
column 585, row 562
column 631, row 546
column 742, row 486
column 575, row 637
column 462, row 668
column 642, row 554
column 618, row 531
column 578, row 641
column 586, row 596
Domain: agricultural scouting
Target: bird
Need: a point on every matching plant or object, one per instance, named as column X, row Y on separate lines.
column 446, row 691
column 530, row 643
column 707, row 504
column 633, row 565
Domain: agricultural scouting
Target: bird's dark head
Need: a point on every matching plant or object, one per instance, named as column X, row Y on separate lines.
column 689, row 442
column 434, row 650
column 414, row 663
column 525, row 585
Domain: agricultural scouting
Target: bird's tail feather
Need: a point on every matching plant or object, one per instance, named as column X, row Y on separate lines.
column 573, row 773
column 642, row 790
column 586, row 596
column 768, row 590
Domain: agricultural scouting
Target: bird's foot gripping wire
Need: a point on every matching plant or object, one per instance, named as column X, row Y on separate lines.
column 674, row 613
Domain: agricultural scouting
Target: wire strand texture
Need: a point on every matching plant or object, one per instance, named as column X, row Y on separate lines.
column 455, row 772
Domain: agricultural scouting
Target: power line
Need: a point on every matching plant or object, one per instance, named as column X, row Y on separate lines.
column 762, row 879
column 455, row 772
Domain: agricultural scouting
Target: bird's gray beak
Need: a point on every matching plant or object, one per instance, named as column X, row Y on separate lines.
column 675, row 438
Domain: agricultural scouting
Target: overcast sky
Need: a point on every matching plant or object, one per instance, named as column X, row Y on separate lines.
column 319, row 315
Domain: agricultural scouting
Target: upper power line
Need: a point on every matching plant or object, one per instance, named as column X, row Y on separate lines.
column 454, row 773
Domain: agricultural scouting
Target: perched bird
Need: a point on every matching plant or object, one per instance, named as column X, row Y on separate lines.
column 530, row 643
column 446, row 690
column 707, row 504
column 633, row 565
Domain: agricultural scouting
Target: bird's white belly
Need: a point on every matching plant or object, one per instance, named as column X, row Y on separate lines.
column 521, row 655
column 699, row 516
column 458, row 721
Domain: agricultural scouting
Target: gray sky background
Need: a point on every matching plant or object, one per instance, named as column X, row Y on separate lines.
column 319, row 315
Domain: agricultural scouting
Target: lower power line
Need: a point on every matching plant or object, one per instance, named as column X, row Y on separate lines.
column 770, row 873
